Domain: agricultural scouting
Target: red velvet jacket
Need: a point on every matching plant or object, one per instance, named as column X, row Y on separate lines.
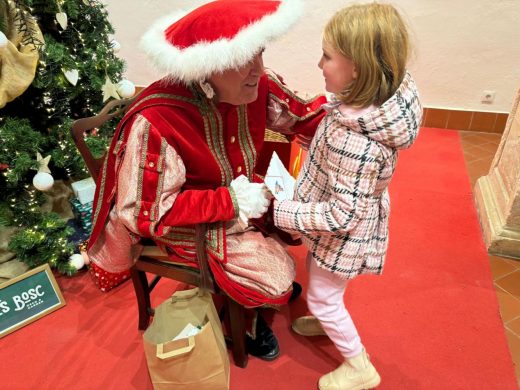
column 216, row 142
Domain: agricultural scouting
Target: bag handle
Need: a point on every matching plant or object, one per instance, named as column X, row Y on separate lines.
column 185, row 295
column 176, row 352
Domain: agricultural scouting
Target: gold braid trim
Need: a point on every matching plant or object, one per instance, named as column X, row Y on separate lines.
column 247, row 146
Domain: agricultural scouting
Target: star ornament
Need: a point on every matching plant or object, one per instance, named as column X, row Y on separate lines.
column 109, row 90
column 43, row 163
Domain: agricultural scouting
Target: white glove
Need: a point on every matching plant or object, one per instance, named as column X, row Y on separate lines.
column 253, row 198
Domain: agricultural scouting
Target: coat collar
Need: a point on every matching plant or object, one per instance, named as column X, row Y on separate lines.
column 395, row 123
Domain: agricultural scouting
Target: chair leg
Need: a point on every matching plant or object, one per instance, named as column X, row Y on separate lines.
column 142, row 294
column 238, row 332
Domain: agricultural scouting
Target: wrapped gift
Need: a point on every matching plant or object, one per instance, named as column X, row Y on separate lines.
column 82, row 213
column 84, row 190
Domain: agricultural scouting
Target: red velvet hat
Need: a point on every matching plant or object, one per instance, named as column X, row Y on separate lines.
column 224, row 34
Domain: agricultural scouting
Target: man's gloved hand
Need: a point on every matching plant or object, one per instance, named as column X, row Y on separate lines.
column 253, row 198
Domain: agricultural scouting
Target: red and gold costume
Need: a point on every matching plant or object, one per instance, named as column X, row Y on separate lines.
column 169, row 167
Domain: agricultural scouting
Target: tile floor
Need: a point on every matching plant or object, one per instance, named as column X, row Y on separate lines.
column 479, row 150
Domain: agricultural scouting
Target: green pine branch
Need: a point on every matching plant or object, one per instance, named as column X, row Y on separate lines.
column 46, row 241
column 40, row 120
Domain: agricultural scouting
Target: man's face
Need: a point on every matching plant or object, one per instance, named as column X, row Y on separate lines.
column 239, row 86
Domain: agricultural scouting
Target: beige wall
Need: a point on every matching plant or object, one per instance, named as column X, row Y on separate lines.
column 463, row 47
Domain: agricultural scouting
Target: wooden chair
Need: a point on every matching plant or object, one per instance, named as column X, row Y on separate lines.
column 152, row 259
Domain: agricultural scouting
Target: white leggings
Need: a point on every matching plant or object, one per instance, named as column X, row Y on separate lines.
column 325, row 301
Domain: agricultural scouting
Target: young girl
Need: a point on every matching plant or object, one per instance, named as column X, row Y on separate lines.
column 341, row 203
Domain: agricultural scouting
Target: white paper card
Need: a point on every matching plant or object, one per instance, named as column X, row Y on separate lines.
column 189, row 330
column 279, row 180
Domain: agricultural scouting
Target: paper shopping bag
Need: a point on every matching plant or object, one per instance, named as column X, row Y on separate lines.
column 197, row 362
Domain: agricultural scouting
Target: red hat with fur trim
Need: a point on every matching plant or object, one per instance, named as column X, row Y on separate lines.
column 221, row 35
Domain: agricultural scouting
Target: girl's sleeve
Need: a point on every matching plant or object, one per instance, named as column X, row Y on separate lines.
column 350, row 175
column 150, row 198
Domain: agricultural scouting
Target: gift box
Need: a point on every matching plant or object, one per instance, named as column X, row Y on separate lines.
column 84, row 190
column 82, row 213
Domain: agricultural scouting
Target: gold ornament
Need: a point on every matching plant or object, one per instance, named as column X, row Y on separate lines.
column 43, row 163
column 109, row 90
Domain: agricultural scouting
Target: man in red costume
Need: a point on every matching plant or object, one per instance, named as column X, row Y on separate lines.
column 185, row 153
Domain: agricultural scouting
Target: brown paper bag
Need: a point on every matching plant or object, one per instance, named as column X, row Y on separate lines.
column 198, row 362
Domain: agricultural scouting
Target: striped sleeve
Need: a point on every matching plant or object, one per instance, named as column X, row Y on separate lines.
column 345, row 172
column 150, row 196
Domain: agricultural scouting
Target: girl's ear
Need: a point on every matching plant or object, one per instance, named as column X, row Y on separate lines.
column 354, row 72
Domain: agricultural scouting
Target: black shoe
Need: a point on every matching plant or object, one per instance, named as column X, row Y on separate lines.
column 264, row 346
column 296, row 291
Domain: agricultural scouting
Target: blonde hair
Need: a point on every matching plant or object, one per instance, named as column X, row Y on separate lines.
column 374, row 36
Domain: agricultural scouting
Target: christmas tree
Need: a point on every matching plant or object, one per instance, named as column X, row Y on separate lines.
column 58, row 64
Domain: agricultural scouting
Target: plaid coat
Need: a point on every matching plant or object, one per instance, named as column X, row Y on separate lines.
column 341, row 203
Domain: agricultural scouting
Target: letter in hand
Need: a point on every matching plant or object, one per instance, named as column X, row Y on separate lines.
column 279, row 180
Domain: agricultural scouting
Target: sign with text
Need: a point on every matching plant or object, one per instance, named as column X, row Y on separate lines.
column 28, row 297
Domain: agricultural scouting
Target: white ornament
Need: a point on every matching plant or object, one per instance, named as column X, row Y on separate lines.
column 116, row 46
column 125, row 88
column 3, row 40
column 77, row 261
column 43, row 181
column 61, row 17
column 72, row 76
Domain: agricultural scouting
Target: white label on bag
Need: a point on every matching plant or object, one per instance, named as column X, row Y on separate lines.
column 189, row 330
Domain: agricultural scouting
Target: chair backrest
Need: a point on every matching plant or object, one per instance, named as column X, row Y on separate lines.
column 112, row 109
column 82, row 126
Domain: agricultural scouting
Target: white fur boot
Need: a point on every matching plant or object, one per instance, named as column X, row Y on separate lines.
column 356, row 373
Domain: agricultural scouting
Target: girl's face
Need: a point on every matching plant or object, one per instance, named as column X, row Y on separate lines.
column 239, row 86
column 339, row 71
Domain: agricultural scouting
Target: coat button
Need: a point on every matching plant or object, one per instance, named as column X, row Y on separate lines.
column 239, row 169
column 145, row 212
column 151, row 164
column 232, row 139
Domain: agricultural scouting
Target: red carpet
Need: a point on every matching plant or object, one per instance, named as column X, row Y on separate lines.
column 430, row 322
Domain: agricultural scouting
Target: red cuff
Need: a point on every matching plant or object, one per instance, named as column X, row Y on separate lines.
column 105, row 280
column 201, row 206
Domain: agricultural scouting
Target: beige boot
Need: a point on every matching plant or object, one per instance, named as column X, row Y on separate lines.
column 308, row 326
column 356, row 373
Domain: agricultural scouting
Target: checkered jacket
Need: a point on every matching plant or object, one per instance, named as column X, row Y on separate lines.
column 341, row 203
